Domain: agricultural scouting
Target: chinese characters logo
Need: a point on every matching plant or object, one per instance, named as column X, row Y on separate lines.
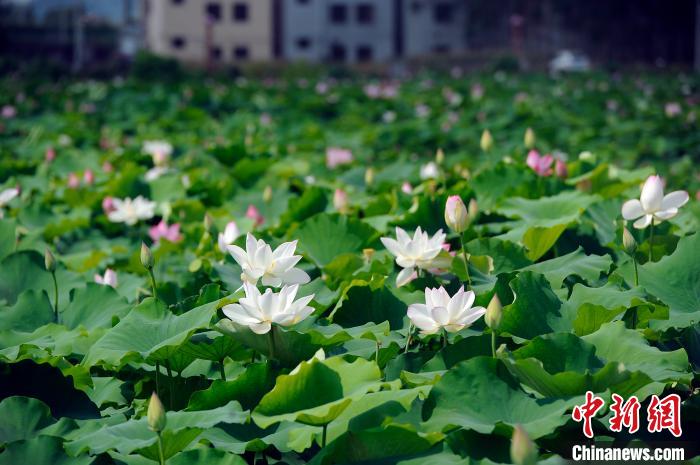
column 662, row 414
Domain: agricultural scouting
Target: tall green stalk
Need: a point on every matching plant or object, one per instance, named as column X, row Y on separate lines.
column 160, row 449
column 651, row 239
column 466, row 260
column 493, row 343
column 55, row 296
column 153, row 283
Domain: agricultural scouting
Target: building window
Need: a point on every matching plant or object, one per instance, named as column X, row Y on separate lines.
column 213, row 11
column 364, row 53
column 441, row 48
column 338, row 52
column 178, row 42
column 240, row 12
column 338, row 14
column 442, row 13
column 215, row 53
column 365, row 13
column 303, row 43
column 240, row 52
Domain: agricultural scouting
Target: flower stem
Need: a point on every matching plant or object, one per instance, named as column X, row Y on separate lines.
column 157, row 372
column 153, row 283
column 636, row 271
column 324, row 435
column 444, row 338
column 466, row 260
column 160, row 449
column 171, row 381
column 408, row 337
column 222, row 371
column 651, row 239
column 55, row 296
column 271, row 342
column 493, row 344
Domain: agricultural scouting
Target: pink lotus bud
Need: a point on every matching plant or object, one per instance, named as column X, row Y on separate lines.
column 406, row 188
column 73, row 181
column 89, row 177
column 542, row 165
column 254, row 214
column 456, row 216
column 50, row 154
column 108, row 205
column 107, row 167
column 560, row 169
column 340, row 200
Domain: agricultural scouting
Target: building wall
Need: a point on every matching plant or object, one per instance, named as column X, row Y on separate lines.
column 310, row 32
column 178, row 28
column 434, row 26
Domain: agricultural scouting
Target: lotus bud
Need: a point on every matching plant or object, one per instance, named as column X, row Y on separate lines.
column 473, row 209
column 529, row 139
column 340, row 200
column 456, row 215
column 486, row 140
column 146, row 257
column 369, row 176
column 49, row 261
column 561, row 170
column 439, row 157
column 628, row 242
column 267, row 194
column 522, row 450
column 208, row 222
column 156, row 414
column 89, row 177
column 494, row 313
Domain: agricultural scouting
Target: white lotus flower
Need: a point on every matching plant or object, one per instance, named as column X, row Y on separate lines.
column 429, row 171
column 159, row 150
column 420, row 251
column 6, row 196
column 130, row 211
column 653, row 205
column 229, row 235
column 109, row 278
column 440, row 311
column 258, row 311
column 275, row 268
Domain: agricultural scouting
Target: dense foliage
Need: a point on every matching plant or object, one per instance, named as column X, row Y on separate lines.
column 331, row 369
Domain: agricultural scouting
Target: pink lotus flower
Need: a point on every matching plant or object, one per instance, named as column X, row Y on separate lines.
column 336, row 156
column 109, row 278
column 406, row 188
column 672, row 109
column 254, row 214
column 560, row 169
column 50, row 154
column 108, row 205
column 9, row 112
column 542, row 165
column 163, row 231
column 89, row 177
column 73, row 181
column 107, row 167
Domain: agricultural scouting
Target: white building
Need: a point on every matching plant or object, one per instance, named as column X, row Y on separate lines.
column 210, row 31
column 348, row 31
column 433, row 27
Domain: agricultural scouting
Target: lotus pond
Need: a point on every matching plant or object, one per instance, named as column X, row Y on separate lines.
column 435, row 270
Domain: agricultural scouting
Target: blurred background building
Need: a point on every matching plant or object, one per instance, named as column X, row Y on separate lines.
column 230, row 32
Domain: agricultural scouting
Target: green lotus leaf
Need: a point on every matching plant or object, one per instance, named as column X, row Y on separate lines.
column 490, row 400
